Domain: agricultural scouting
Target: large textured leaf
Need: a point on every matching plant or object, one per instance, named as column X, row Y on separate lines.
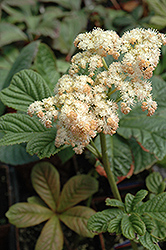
column 45, row 64
column 119, row 154
column 76, row 218
column 142, row 159
column 98, row 222
column 26, row 215
column 23, row 61
column 10, row 33
column 36, row 200
column 149, row 242
column 155, row 208
column 51, row 237
column 45, row 180
column 78, row 188
column 19, row 128
column 43, row 145
column 159, row 230
column 26, row 87
column 149, row 131
column 155, row 183
column 131, row 225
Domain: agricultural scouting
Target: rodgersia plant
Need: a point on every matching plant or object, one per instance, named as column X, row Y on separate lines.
column 105, row 80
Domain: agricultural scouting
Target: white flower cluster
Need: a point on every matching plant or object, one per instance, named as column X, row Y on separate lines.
column 82, row 102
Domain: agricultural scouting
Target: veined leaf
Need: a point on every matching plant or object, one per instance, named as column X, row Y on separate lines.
column 25, row 215
column 10, row 33
column 51, row 237
column 23, row 61
column 45, row 64
column 159, row 230
column 45, row 180
column 78, row 188
column 155, row 208
column 115, row 225
column 98, row 222
column 155, row 183
column 114, row 203
column 19, row 128
column 142, row 159
column 36, row 200
column 76, row 219
column 26, row 87
column 119, row 154
column 132, row 224
column 131, row 201
column 149, row 242
column 149, row 131
column 44, row 144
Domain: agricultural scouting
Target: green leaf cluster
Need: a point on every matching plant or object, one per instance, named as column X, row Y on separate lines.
column 54, row 206
column 140, row 221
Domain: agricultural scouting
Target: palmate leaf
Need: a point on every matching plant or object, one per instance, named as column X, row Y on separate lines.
column 155, row 208
column 36, row 200
column 26, row 87
column 99, row 222
column 26, row 215
column 149, row 131
column 45, row 64
column 78, row 188
column 155, row 183
column 51, row 237
column 76, row 219
column 45, row 180
column 119, row 154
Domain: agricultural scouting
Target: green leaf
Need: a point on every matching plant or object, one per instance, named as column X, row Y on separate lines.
column 149, row 242
column 36, row 200
column 98, row 222
column 132, row 201
column 45, row 180
column 43, row 144
column 158, row 20
column 45, row 64
column 119, row 154
column 155, row 183
column 66, row 154
column 10, row 33
column 23, row 61
column 26, row 87
column 51, row 237
column 149, row 131
column 155, row 208
column 142, row 159
column 114, row 203
column 26, row 215
column 77, row 188
column 73, row 5
column 69, row 28
column 76, row 219
column 132, row 225
column 19, row 128
column 16, row 155
column 115, row 225
column 159, row 230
